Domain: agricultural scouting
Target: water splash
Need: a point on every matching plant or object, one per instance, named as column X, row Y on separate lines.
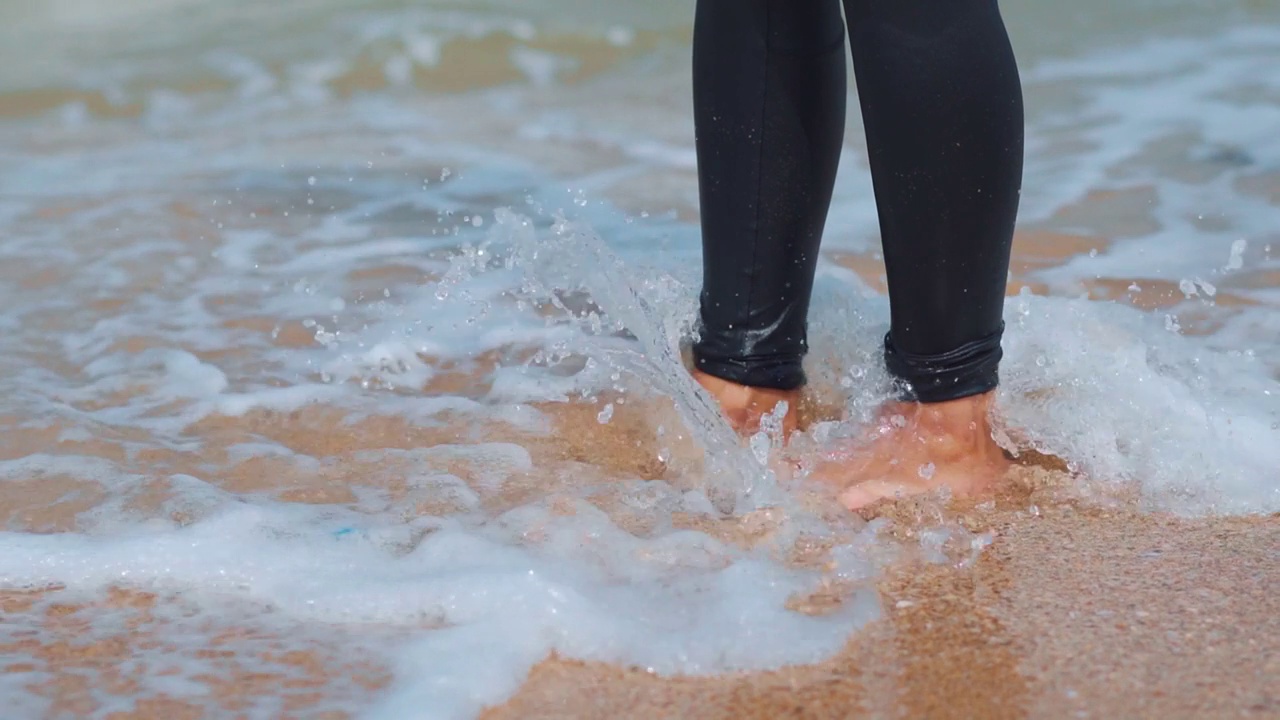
column 654, row 309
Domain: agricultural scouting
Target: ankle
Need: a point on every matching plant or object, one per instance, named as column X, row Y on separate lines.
column 949, row 414
column 743, row 406
column 949, row 428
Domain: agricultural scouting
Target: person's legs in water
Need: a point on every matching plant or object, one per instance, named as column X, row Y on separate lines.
column 942, row 106
column 769, row 87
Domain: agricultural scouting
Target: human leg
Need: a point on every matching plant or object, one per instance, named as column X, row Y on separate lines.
column 769, row 89
column 942, row 105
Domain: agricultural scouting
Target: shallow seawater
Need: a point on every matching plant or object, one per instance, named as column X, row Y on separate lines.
column 341, row 341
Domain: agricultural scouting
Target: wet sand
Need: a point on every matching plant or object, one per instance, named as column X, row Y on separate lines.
column 1078, row 608
column 1074, row 613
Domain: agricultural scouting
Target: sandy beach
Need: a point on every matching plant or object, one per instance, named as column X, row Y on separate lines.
column 340, row 377
column 1078, row 607
column 1070, row 614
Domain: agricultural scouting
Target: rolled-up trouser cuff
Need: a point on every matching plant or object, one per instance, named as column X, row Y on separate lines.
column 763, row 372
column 971, row 369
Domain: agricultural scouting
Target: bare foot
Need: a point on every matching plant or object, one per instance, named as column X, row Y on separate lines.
column 916, row 448
column 743, row 406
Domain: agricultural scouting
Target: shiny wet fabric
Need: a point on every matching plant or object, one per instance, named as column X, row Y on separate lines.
column 941, row 102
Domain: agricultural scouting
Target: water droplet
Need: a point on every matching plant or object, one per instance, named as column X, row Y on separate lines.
column 605, row 415
column 1236, row 259
column 927, row 471
column 771, row 422
column 311, row 180
column 760, row 446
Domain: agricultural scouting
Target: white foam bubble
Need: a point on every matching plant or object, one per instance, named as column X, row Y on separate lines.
column 679, row 602
column 1109, row 390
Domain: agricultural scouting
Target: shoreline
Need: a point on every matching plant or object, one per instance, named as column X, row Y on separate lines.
column 1074, row 612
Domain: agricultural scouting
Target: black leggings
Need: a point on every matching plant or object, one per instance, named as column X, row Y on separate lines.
column 942, row 106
